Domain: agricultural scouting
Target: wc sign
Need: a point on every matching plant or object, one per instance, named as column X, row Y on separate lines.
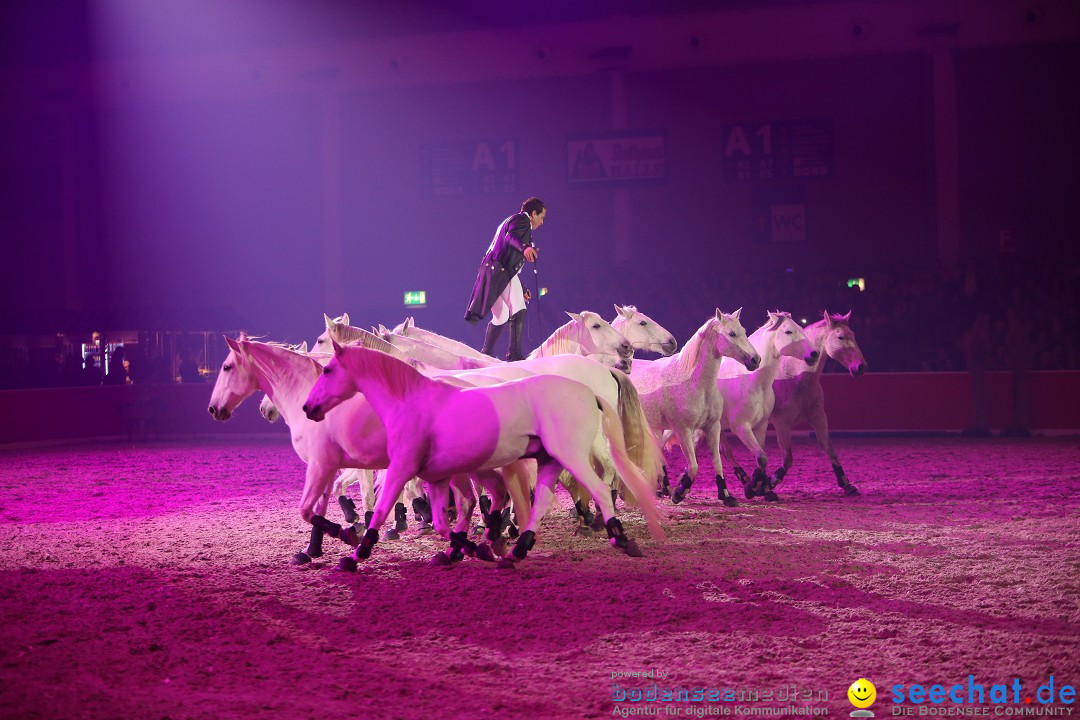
column 788, row 223
column 780, row 216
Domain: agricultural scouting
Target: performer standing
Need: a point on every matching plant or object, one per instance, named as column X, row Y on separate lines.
column 497, row 287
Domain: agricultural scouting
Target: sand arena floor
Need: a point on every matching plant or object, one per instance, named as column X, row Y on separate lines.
column 152, row 581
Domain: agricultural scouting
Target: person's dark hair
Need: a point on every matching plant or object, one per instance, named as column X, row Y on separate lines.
column 532, row 205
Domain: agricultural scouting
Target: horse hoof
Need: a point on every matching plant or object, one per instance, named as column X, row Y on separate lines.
column 456, row 555
column 393, row 534
column 424, row 530
column 349, row 536
column 505, row 564
column 730, row 501
column 346, row 564
column 771, row 496
column 484, row 552
column 479, row 530
column 440, row 560
column 851, row 491
column 677, row 496
column 583, row 530
column 300, row 558
column 748, row 490
column 632, row 549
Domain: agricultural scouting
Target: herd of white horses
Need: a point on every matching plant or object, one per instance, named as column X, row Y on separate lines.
column 447, row 428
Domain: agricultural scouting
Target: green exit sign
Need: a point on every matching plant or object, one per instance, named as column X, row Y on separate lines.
column 416, row 298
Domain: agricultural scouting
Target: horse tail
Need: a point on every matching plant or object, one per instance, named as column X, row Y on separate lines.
column 639, row 439
column 639, row 486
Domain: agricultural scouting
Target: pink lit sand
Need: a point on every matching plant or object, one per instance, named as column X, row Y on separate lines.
column 152, row 581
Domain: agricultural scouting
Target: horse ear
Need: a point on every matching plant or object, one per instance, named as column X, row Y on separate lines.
column 383, row 330
column 338, row 349
column 829, row 319
column 846, row 318
column 575, row 316
column 303, row 347
column 624, row 311
column 410, row 322
column 737, row 313
column 344, row 318
column 235, row 345
column 328, row 319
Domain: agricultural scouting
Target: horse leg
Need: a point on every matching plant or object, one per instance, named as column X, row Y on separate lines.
column 341, row 485
column 820, row 424
column 713, row 435
column 783, row 439
column 318, row 482
column 547, row 474
column 740, row 474
column 393, row 482
column 438, row 493
column 686, row 442
column 314, row 548
column 761, row 472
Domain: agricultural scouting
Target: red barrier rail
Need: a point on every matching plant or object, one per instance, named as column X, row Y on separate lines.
column 876, row 402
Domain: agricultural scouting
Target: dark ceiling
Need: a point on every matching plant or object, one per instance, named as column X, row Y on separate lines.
column 49, row 32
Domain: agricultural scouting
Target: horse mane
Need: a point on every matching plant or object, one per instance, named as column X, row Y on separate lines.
column 774, row 323
column 398, row 377
column 558, row 343
column 351, row 335
column 686, row 358
column 274, row 364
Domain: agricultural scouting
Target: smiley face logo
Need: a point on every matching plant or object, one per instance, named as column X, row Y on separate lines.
column 862, row 693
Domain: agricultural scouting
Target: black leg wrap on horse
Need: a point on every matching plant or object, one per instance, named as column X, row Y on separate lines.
column 401, row 517
column 421, row 510
column 485, row 504
column 367, row 518
column 348, row 509
column 615, row 532
column 841, row 479
column 682, row 488
column 524, row 544
column 494, row 522
column 780, row 473
column 314, row 547
column 330, row 528
column 370, row 538
column 723, row 493
column 461, row 541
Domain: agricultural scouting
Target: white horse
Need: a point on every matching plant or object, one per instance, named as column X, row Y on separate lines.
column 614, row 387
column 642, row 332
column 586, row 334
column 748, row 395
column 354, row 438
column 435, row 431
column 679, row 393
column 799, row 397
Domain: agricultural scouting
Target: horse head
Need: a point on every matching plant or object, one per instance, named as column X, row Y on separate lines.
column 597, row 335
column 731, row 340
column 789, row 340
column 236, row 380
column 333, row 326
column 334, row 386
column 643, row 332
column 840, row 344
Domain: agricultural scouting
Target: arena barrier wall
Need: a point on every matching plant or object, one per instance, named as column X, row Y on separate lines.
column 1043, row 401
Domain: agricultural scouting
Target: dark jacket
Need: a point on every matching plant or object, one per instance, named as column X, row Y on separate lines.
column 503, row 260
